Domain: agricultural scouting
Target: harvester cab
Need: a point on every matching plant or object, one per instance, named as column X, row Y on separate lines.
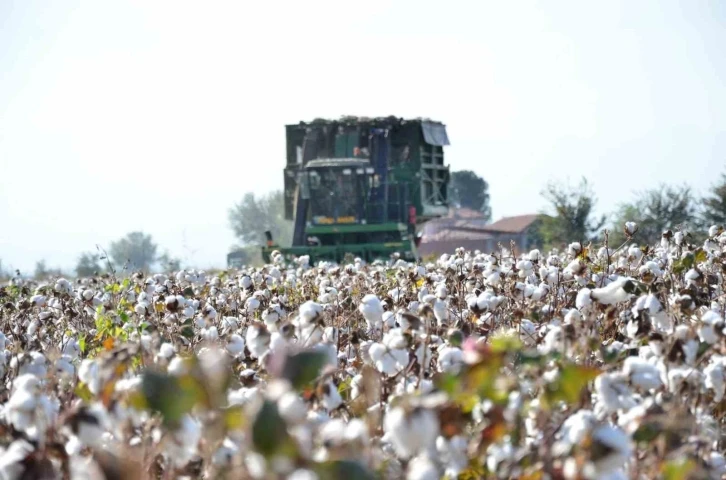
column 362, row 187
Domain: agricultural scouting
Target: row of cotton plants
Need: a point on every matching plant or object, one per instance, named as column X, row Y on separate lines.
column 595, row 362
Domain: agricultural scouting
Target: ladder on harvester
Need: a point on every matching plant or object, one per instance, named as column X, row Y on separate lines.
column 302, row 194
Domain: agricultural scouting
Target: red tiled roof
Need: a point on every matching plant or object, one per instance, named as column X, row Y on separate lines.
column 455, row 234
column 516, row 224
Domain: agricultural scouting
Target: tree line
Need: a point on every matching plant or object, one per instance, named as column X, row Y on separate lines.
column 569, row 216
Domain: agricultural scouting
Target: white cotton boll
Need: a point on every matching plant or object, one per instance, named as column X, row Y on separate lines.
column 389, row 319
column 235, row 345
column 72, row 348
column 651, row 267
column 411, row 432
column 711, row 322
column 245, row 282
column 677, row 376
column 422, row 468
column 141, row 308
column 166, row 350
column 574, row 248
column 310, row 334
column 12, row 459
column 424, row 359
column 177, row 367
column 33, row 327
column 271, row 316
column 453, row 454
column 497, row 453
column 292, row 408
column 63, row 367
column 678, row 238
column 707, row 334
column 210, row 334
column 310, row 311
column 257, row 340
column 376, row 351
column 642, row 374
column 38, row 300
column 652, row 304
column 573, row 316
column 714, row 376
column 583, row 299
column 717, row 464
column 252, row 304
column 88, row 373
column 575, row 428
column 527, row 332
column 612, row 393
column 222, row 457
column 618, row 446
column 634, row 252
column 331, row 398
column 303, row 474
column 372, row 310
column 450, row 360
column 441, row 312
column 242, row 396
column 493, row 279
column 392, row 362
column 631, row 228
column 614, row 292
column 553, row 341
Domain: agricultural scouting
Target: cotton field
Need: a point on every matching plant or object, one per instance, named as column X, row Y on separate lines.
column 595, row 362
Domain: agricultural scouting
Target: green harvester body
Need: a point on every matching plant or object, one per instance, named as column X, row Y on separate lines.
column 361, row 187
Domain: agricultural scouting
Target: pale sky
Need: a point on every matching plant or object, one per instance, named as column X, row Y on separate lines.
column 160, row 115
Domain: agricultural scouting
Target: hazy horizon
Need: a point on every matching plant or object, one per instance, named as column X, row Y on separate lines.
column 160, row 116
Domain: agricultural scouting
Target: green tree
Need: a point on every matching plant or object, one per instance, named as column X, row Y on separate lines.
column 468, row 190
column 136, row 249
column 41, row 270
column 714, row 206
column 250, row 218
column 88, row 265
column 572, row 217
column 169, row 263
column 656, row 210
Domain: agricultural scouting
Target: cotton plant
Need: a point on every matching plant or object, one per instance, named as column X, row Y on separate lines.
column 411, row 370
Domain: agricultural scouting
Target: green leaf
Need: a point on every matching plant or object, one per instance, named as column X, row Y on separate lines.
column 346, row 469
column 647, row 433
column 83, row 392
column 568, row 385
column 188, row 292
column 126, row 283
column 303, row 367
column 269, row 432
column 234, row 418
column 678, row 469
column 506, row 343
column 82, row 343
column 173, row 397
column 187, row 332
column 701, row 255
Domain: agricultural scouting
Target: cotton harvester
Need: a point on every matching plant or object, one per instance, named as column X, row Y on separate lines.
column 362, row 186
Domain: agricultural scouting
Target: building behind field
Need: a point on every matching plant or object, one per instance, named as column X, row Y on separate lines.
column 468, row 229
